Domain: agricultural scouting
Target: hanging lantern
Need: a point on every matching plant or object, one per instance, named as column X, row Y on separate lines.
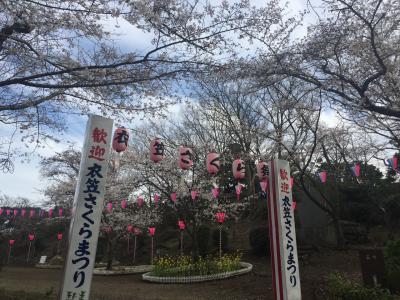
column 59, row 236
column 23, row 212
column 322, row 176
column 129, row 228
column 136, row 231
column 173, row 197
column 238, row 169
column 31, row 213
column 185, row 158
column 220, row 217
column 181, row 225
column 238, row 189
column 140, row 201
column 356, row 170
column 15, row 212
column 157, row 150
column 262, row 171
column 50, row 212
column 60, row 212
column 120, row 140
column 8, row 212
column 194, row 195
column 109, row 207
column 1, row 211
column 11, row 242
column 156, row 199
column 152, row 231
column 264, row 186
column 123, row 204
column 213, row 163
column 215, row 192
column 31, row 237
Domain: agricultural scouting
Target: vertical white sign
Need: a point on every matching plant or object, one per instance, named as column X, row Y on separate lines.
column 285, row 264
column 88, row 206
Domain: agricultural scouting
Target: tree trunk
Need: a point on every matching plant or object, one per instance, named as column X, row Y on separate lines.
column 195, row 244
column 110, row 254
column 340, row 241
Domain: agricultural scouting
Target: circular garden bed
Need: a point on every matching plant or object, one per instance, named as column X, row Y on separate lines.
column 245, row 268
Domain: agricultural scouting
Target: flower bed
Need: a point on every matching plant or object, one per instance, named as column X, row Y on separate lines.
column 183, row 269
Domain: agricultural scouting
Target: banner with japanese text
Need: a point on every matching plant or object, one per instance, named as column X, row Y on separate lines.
column 87, row 209
column 285, row 264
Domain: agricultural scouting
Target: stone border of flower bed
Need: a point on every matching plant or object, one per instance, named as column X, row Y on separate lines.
column 246, row 268
column 126, row 271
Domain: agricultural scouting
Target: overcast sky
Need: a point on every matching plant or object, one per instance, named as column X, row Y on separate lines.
column 25, row 181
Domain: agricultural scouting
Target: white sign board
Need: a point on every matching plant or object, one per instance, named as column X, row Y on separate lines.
column 88, row 206
column 42, row 259
column 282, row 231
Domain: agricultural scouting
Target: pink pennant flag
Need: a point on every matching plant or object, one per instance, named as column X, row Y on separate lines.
column 31, row 237
column 11, row 242
column 156, row 199
column 140, row 201
column 23, row 212
column 152, row 230
column 31, row 213
column 109, row 207
column 264, row 186
column 15, row 212
column 215, row 192
column 395, row 162
column 1, row 211
column 357, row 170
column 129, row 228
column 50, row 213
column 123, row 204
column 238, row 188
column 60, row 212
column 8, row 212
column 173, row 197
column 194, row 195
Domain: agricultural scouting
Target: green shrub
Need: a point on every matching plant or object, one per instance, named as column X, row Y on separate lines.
column 180, row 266
column 259, row 241
column 392, row 264
column 340, row 288
column 203, row 239
column 224, row 239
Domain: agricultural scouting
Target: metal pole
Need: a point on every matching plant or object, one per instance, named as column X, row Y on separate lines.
column 29, row 252
column 134, row 251
column 9, row 254
column 128, row 244
column 152, row 249
column 181, row 242
column 220, row 241
column 58, row 247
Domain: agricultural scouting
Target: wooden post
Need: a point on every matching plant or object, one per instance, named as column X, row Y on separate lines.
column 282, row 233
column 181, row 242
column 220, row 241
column 29, row 252
column 134, row 250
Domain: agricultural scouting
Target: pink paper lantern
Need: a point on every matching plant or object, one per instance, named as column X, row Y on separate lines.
column 181, row 225
column 215, row 192
column 15, row 212
column 322, row 176
column 50, row 212
column 31, row 213
column 156, row 150
column 156, row 199
column 194, row 195
column 23, row 212
column 1, row 211
column 152, row 230
column 213, row 163
column 173, row 197
column 109, row 207
column 140, row 201
column 8, row 212
column 123, row 204
column 238, row 169
column 60, row 212
column 59, row 236
column 120, row 139
column 129, row 228
column 31, row 237
column 220, row 217
column 262, row 171
column 264, row 186
column 136, row 231
column 395, row 162
column 238, row 189
column 11, row 242
column 185, row 158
